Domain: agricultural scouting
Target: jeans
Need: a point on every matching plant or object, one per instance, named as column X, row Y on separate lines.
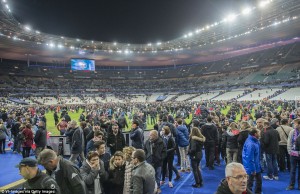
column 75, row 156
column 168, row 162
column 231, row 155
column 26, row 152
column 158, row 175
column 209, row 153
column 196, row 171
column 272, row 165
column 294, row 162
column 284, row 155
column 2, row 145
column 258, row 183
column 185, row 162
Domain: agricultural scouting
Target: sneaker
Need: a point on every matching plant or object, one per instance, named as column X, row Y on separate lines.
column 158, row 191
column 276, row 178
column 170, row 185
column 177, row 177
column 162, row 182
column 268, row 178
column 181, row 170
column 188, row 170
column 290, row 187
column 196, row 185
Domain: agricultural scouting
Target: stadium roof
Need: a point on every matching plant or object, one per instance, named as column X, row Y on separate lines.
column 279, row 21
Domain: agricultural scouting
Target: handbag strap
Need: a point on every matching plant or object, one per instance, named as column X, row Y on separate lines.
column 284, row 131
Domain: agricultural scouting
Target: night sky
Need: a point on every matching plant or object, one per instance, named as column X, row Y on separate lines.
column 126, row 21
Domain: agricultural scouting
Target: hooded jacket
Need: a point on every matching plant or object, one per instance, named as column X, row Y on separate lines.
column 231, row 139
column 210, row 132
column 116, row 177
column 251, row 155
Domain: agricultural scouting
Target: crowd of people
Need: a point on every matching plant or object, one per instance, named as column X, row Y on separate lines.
column 264, row 138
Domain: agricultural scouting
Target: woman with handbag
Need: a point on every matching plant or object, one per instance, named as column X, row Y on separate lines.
column 195, row 151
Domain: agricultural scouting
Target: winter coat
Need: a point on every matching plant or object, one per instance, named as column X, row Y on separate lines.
column 28, row 134
column 210, row 132
column 271, row 141
column 251, row 155
column 89, row 175
column 143, row 179
column 195, row 148
column 127, row 178
column 155, row 152
column 243, row 135
column 223, row 188
column 77, row 140
column 116, row 178
column 68, row 178
column 137, row 137
column 182, row 136
column 40, row 137
column 170, row 145
column 230, row 139
column 3, row 132
column 115, row 142
column 41, row 181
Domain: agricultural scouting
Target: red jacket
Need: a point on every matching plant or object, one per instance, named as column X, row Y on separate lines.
column 28, row 137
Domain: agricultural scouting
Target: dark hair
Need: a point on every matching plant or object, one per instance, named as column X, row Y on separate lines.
column 179, row 121
column 209, row 119
column 97, row 144
column 119, row 153
column 135, row 122
column 165, row 118
column 139, row 154
column 196, row 123
column 97, row 133
column 253, row 131
column 284, row 121
column 167, row 130
column 91, row 155
column 83, row 124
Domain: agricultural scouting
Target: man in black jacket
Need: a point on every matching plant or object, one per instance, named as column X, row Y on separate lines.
column 63, row 171
column 115, row 140
column 40, row 138
column 156, row 152
column 271, row 143
column 75, row 134
column 210, row 132
column 35, row 179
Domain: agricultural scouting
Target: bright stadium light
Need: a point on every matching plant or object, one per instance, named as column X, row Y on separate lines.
column 246, row 11
column 190, row 34
column 149, row 44
column 115, row 43
column 38, row 32
column 60, row 46
column 264, row 3
column 159, row 43
column 27, row 28
column 185, row 36
column 72, row 47
column 52, row 45
column 77, row 40
column 7, row 7
column 231, row 17
column 4, row 1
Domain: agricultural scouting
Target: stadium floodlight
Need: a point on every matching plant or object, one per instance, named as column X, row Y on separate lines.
column 207, row 27
column 115, row 43
column 126, row 52
column 190, row 34
column 72, row 47
column 15, row 38
column 159, row 43
column 185, row 36
column 62, row 37
column 77, row 40
column 52, row 45
column 7, row 7
column 264, row 3
column 4, row 1
column 60, row 46
column 27, row 28
column 38, row 32
column 231, row 17
column 246, row 11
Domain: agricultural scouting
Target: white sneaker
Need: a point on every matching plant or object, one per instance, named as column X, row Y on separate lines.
column 267, row 177
column 276, row 178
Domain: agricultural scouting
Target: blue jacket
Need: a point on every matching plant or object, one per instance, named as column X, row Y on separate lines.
column 251, row 155
column 182, row 136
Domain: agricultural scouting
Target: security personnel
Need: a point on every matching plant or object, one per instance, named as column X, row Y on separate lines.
column 35, row 178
